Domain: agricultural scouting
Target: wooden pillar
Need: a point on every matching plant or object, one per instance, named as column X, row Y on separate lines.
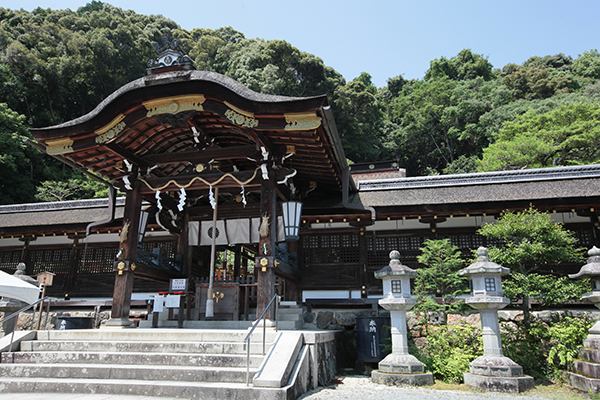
column 125, row 262
column 291, row 287
column 188, row 264
column 182, row 252
column 595, row 229
column 266, row 249
column 363, row 248
column 25, row 257
column 237, row 261
column 74, row 260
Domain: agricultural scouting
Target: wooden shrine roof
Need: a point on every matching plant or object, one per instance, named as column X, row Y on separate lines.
column 150, row 122
column 562, row 188
column 55, row 216
column 498, row 186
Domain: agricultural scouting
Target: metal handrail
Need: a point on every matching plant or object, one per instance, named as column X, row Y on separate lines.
column 274, row 300
column 16, row 313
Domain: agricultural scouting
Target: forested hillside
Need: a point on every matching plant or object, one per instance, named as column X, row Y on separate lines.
column 464, row 115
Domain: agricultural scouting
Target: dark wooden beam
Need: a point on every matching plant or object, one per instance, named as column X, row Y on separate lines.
column 218, row 153
column 127, row 154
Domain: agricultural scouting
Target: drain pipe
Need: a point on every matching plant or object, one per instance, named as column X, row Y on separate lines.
column 112, row 197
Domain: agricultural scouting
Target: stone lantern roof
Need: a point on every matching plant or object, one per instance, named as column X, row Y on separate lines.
column 395, row 268
column 483, row 265
column 592, row 268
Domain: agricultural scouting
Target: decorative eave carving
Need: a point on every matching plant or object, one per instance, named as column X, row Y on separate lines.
column 110, row 130
column 59, row 146
column 174, row 105
column 301, row 121
column 240, row 117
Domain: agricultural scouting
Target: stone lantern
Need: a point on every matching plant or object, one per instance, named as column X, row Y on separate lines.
column 492, row 371
column 399, row 367
column 586, row 370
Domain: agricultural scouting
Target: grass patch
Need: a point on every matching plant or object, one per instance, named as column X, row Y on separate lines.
column 550, row 392
column 560, row 392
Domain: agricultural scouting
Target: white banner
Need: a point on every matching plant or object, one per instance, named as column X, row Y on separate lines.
column 230, row 231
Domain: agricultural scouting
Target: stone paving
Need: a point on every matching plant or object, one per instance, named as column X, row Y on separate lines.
column 75, row 396
column 351, row 387
column 362, row 388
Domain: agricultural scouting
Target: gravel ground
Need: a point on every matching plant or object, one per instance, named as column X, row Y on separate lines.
column 353, row 387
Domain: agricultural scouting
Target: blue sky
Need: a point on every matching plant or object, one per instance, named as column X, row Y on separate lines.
column 387, row 38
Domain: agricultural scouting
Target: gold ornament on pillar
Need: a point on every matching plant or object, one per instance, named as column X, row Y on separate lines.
column 264, row 263
column 120, row 268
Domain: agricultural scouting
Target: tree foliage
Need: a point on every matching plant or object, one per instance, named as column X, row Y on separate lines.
column 16, row 167
column 527, row 241
column 56, row 65
column 566, row 135
column 438, row 275
column 530, row 240
column 71, row 189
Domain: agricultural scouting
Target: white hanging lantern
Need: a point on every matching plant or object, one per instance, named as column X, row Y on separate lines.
column 292, row 211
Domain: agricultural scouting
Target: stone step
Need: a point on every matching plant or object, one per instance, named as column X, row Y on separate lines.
column 289, row 317
column 294, row 311
column 130, row 358
column 186, row 390
column 589, row 354
column 289, row 325
column 586, row 368
column 117, row 371
column 141, row 347
column 583, row 383
column 152, row 335
column 592, row 343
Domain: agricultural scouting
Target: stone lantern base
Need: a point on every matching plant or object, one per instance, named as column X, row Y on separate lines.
column 497, row 373
column 401, row 369
column 585, row 374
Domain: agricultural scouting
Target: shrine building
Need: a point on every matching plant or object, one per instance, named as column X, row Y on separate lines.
column 248, row 195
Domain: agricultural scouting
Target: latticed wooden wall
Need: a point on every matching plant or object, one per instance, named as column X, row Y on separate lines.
column 98, row 259
column 92, row 273
column 56, row 260
column 333, row 260
column 9, row 258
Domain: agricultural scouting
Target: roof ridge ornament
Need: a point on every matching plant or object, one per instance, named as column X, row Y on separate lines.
column 170, row 56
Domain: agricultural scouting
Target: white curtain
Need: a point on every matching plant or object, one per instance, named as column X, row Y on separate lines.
column 230, row 231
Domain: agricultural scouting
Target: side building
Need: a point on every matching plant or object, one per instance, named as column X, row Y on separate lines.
column 343, row 239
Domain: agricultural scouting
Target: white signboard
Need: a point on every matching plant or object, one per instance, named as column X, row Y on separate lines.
column 172, row 301
column 178, row 285
column 159, row 304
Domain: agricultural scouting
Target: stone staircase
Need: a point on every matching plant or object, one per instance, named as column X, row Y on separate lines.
column 289, row 316
column 585, row 371
column 191, row 364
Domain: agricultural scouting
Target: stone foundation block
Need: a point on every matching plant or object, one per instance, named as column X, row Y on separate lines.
column 584, row 383
column 495, row 366
column 395, row 379
column 512, row 384
column 401, row 364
